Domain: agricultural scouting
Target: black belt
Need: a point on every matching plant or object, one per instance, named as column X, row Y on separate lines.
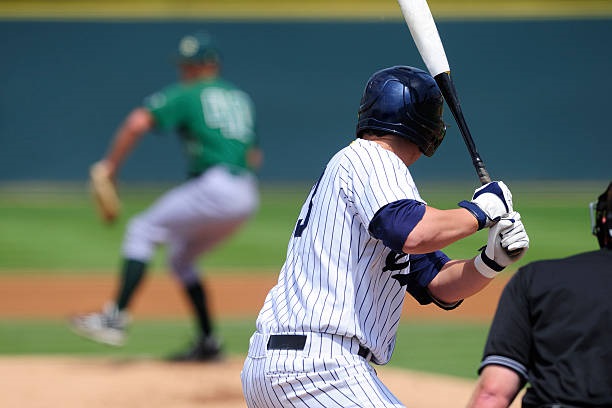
column 298, row 341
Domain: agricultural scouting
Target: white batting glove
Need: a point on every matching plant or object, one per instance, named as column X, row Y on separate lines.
column 507, row 243
column 489, row 203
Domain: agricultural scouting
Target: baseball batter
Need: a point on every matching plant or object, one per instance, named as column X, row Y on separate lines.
column 216, row 123
column 363, row 238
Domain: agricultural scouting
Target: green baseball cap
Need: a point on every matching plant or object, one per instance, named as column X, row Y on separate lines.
column 197, row 48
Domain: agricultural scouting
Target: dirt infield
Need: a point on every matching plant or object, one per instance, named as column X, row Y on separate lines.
column 231, row 295
column 132, row 383
column 102, row 383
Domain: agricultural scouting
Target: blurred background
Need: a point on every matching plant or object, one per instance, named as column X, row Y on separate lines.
column 533, row 78
column 533, row 81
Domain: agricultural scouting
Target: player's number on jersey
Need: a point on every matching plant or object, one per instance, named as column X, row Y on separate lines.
column 303, row 222
column 228, row 110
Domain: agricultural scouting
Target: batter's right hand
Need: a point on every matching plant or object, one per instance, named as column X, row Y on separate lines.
column 489, row 203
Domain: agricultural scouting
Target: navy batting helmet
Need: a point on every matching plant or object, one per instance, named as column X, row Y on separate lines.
column 404, row 101
column 601, row 218
column 197, row 48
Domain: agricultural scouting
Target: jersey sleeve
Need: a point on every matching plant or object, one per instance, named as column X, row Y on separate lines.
column 165, row 106
column 509, row 340
column 378, row 178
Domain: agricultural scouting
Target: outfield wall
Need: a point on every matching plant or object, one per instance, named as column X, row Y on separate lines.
column 535, row 92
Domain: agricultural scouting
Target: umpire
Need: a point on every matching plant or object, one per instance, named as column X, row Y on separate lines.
column 553, row 329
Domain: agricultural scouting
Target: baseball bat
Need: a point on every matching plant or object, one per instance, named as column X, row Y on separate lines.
column 427, row 39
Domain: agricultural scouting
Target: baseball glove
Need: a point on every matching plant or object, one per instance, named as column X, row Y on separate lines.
column 104, row 192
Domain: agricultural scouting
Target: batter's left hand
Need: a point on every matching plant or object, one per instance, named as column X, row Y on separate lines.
column 507, row 243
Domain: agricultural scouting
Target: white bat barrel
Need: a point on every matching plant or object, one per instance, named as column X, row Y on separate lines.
column 425, row 34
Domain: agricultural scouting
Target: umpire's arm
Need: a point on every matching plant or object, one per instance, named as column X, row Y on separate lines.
column 496, row 388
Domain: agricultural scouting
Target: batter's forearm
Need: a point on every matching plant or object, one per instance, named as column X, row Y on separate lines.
column 457, row 280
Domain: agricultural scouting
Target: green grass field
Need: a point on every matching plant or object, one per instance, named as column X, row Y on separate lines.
column 51, row 229
column 55, row 228
column 450, row 348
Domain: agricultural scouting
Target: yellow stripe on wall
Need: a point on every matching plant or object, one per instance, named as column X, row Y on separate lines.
column 374, row 10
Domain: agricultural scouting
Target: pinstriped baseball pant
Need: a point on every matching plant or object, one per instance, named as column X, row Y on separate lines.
column 328, row 373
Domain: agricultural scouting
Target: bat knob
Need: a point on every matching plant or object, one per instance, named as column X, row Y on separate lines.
column 514, row 252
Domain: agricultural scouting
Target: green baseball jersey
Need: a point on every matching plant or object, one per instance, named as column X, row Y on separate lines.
column 215, row 120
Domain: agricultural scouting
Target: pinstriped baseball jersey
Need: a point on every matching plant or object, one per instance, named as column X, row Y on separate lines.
column 337, row 278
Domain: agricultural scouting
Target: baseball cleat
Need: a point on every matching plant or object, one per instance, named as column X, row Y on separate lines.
column 106, row 327
column 204, row 349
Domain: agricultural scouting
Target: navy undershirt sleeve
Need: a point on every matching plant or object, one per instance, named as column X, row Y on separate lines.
column 423, row 268
column 395, row 221
column 392, row 224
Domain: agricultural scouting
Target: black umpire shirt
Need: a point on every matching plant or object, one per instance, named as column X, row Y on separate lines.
column 553, row 326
